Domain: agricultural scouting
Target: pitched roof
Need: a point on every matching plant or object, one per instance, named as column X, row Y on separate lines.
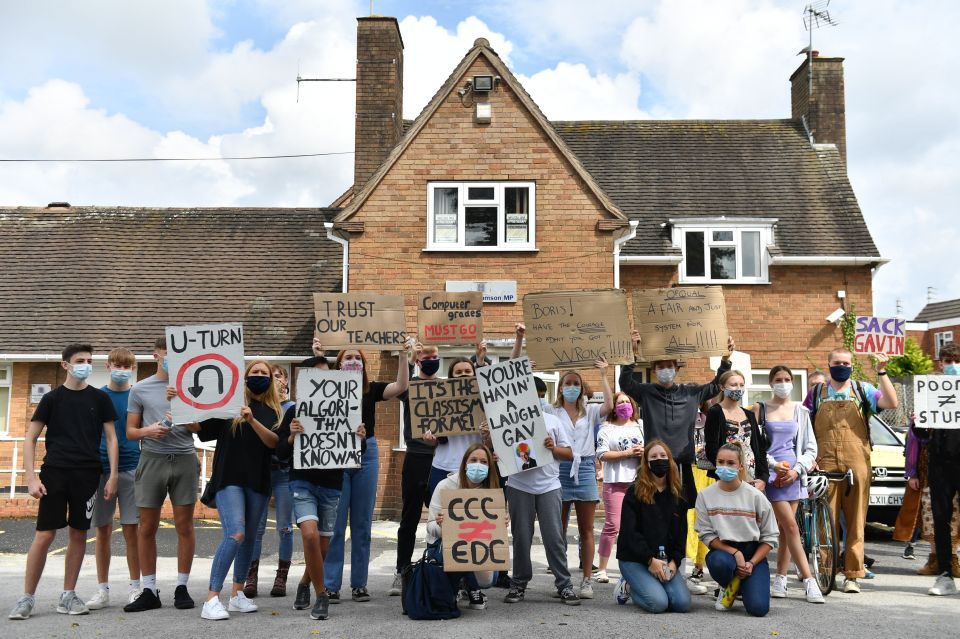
column 655, row 170
column 117, row 276
column 480, row 47
column 939, row 311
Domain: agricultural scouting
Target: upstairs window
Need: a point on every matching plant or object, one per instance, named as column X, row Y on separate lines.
column 940, row 340
column 480, row 216
column 723, row 254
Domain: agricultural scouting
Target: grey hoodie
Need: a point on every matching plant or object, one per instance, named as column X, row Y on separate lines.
column 671, row 413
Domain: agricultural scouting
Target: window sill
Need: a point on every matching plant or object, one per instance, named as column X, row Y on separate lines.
column 479, row 249
column 722, row 283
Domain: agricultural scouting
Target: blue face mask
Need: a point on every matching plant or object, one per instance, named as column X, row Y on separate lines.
column 121, row 376
column 571, row 393
column 81, row 371
column 163, row 365
column 951, row 369
column 841, row 373
column 477, row 472
column 544, row 404
column 736, row 394
column 725, row 473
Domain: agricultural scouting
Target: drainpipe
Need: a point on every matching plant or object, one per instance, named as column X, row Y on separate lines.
column 617, row 243
column 332, row 235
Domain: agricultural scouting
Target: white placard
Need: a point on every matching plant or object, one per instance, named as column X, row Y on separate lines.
column 328, row 407
column 37, row 391
column 494, row 291
column 205, row 363
column 936, row 401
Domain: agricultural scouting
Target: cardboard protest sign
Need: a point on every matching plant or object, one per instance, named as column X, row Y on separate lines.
column 328, row 407
column 474, row 530
column 573, row 328
column 513, row 411
column 450, row 318
column 686, row 321
column 355, row 320
column 445, row 407
column 936, row 401
column 879, row 335
column 205, row 364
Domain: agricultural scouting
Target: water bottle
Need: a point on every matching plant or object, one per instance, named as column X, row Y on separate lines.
column 662, row 556
column 730, row 592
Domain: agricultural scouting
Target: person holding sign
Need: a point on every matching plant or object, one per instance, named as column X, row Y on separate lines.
column 476, row 470
column 841, row 421
column 728, row 422
column 653, row 534
column 240, row 484
column 359, row 491
column 578, row 477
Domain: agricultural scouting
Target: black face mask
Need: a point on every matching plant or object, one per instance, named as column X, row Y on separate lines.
column 429, row 366
column 659, row 467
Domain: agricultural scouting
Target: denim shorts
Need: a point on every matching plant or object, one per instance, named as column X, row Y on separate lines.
column 316, row 503
column 586, row 490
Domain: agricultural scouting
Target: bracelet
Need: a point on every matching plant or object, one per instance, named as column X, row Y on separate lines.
column 881, row 372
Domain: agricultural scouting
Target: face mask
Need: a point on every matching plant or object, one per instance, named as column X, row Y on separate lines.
column 353, row 365
column 544, row 404
column 477, row 472
column 429, row 367
column 624, row 411
column 120, row 376
column 163, row 365
column 725, row 473
column 783, row 389
column 259, row 383
column 571, row 393
column 81, row 371
column 736, row 394
column 841, row 373
column 666, row 375
column 951, row 369
column 659, row 467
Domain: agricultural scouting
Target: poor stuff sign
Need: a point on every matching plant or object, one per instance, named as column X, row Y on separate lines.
column 445, row 407
column 474, row 530
column 328, row 408
column 936, row 401
column 688, row 321
column 450, row 318
column 874, row 335
column 354, row 320
column 517, row 428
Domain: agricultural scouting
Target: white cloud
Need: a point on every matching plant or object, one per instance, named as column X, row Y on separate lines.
column 571, row 92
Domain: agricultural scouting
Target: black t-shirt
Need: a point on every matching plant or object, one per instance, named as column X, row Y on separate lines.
column 241, row 458
column 414, row 446
column 74, row 421
column 328, row 478
column 368, row 407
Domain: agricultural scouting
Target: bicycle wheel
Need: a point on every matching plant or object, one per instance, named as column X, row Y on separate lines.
column 802, row 517
column 823, row 552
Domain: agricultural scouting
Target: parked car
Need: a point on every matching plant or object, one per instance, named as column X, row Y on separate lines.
column 888, row 484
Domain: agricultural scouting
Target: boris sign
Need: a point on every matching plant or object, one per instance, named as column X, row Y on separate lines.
column 874, row 335
column 572, row 329
column 450, row 318
column 445, row 407
column 355, row 320
column 936, row 401
column 474, row 531
column 685, row 321
column 328, row 407
column 205, row 364
column 517, row 428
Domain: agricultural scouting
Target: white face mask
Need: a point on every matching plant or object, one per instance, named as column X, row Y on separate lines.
column 783, row 389
column 666, row 375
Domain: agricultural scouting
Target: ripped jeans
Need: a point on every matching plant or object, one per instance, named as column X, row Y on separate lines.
column 240, row 512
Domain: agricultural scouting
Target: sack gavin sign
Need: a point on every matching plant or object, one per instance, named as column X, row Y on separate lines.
column 205, row 364
column 450, row 318
column 474, row 530
column 936, row 401
column 328, row 407
column 879, row 335
column 445, row 407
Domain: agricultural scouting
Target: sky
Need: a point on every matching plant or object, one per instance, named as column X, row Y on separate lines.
column 216, row 78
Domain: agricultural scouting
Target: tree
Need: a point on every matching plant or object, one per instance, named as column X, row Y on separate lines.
column 913, row 361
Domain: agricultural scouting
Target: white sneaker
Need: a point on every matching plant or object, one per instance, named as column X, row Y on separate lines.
column 813, row 593
column 214, row 610
column 240, row 603
column 100, row 600
column 851, row 585
column 601, row 577
column 132, row 594
column 779, row 590
column 396, row 587
column 718, row 605
column 943, row 586
column 695, row 587
column 71, row 605
column 586, row 589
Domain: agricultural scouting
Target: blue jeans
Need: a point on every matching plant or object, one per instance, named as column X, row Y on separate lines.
column 240, row 512
column 280, row 485
column 755, row 588
column 356, row 502
column 653, row 595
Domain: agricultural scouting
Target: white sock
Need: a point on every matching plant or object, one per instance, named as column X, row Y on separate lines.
column 150, row 582
column 134, row 584
column 104, row 586
column 67, row 593
column 182, row 578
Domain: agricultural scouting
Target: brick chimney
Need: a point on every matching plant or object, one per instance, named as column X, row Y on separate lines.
column 379, row 122
column 824, row 111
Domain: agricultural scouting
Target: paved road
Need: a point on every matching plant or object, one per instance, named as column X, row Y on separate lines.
column 895, row 604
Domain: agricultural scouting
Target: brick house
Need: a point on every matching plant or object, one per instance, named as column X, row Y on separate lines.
column 937, row 324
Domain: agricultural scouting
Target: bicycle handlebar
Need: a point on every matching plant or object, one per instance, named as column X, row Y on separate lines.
column 835, row 476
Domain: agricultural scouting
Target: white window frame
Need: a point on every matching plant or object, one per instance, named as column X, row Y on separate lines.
column 799, row 381
column 499, row 201
column 940, row 340
column 738, row 227
column 7, row 382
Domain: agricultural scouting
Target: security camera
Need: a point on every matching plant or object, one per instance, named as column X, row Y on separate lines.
column 835, row 316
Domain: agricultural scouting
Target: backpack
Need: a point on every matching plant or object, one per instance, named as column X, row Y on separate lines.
column 426, row 592
column 861, row 394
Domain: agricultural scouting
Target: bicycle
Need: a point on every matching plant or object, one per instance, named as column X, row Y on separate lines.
column 818, row 530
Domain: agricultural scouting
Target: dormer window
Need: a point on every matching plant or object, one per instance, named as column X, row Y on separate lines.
column 481, row 216
column 723, row 251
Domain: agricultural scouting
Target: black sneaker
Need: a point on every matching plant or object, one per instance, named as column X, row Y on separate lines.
column 697, row 574
column 868, row 561
column 478, row 600
column 321, row 609
column 302, row 600
column 569, row 597
column 146, row 600
column 333, row 596
column 182, row 599
column 359, row 594
column 503, row 580
column 515, row 595
column 908, row 552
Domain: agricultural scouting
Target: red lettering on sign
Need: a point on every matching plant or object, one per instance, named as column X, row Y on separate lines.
column 477, row 530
